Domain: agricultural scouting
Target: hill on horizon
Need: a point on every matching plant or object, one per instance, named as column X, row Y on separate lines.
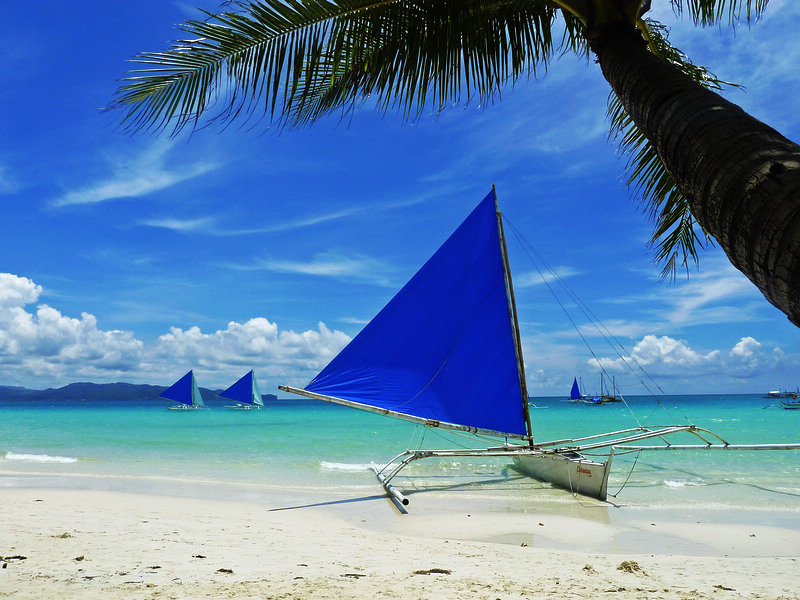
column 87, row 391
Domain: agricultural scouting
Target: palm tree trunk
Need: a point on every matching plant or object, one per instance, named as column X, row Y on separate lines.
column 742, row 178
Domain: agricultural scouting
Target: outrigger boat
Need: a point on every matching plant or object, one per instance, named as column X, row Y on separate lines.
column 186, row 393
column 245, row 392
column 445, row 353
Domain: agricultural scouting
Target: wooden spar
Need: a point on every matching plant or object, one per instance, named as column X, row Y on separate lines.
column 512, row 312
column 399, row 415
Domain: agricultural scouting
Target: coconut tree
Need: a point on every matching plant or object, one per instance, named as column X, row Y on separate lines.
column 704, row 169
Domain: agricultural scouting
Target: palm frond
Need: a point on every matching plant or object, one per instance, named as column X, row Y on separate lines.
column 434, row 56
column 292, row 62
column 711, row 12
column 677, row 234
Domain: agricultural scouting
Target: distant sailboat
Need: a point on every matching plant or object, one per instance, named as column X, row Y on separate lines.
column 604, row 395
column 245, row 392
column 575, row 394
column 185, row 392
column 445, row 353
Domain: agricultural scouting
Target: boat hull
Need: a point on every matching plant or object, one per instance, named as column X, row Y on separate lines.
column 572, row 472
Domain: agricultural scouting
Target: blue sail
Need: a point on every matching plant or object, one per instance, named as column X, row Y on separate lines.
column 443, row 347
column 185, row 391
column 245, row 390
column 575, row 392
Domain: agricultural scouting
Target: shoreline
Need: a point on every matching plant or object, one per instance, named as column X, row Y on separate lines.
column 546, row 518
column 94, row 543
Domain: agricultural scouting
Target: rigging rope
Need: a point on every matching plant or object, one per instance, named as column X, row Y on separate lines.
column 548, row 274
column 624, row 483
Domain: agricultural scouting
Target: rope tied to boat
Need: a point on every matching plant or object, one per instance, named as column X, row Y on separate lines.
column 624, row 483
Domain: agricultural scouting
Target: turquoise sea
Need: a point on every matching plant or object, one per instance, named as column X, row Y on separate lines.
column 301, row 447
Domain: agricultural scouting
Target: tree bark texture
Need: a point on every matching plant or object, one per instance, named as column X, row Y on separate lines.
column 742, row 178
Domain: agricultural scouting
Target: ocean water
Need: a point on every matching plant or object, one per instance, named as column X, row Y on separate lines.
column 301, row 447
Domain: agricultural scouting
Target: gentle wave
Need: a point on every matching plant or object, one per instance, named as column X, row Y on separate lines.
column 349, row 467
column 683, row 483
column 42, row 458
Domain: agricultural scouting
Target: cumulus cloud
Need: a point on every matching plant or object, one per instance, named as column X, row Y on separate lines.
column 240, row 344
column 16, row 292
column 47, row 343
column 664, row 356
column 43, row 348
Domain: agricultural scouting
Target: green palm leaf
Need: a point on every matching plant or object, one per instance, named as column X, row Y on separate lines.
column 294, row 62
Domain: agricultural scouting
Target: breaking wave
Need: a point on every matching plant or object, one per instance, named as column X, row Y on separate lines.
column 42, row 458
column 683, row 483
column 349, row 467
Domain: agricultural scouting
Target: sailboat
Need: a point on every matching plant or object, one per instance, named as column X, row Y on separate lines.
column 185, row 392
column 245, row 392
column 445, row 353
column 605, row 396
column 575, row 392
column 575, row 395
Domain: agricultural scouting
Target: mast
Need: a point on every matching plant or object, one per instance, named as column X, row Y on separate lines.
column 512, row 313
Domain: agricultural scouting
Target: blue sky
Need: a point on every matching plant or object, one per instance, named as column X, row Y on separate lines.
column 135, row 258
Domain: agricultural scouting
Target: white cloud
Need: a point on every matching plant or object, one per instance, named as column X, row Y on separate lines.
column 137, row 176
column 534, row 278
column 664, row 351
column 746, row 348
column 8, row 185
column 47, row 342
column 667, row 357
column 183, row 225
column 255, row 340
column 717, row 294
column 17, row 291
column 44, row 348
column 328, row 264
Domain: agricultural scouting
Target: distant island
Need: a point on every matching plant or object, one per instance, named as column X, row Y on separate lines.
column 87, row 392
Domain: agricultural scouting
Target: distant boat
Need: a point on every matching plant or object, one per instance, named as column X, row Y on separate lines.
column 446, row 353
column 245, row 392
column 781, row 394
column 186, row 393
column 608, row 397
column 792, row 404
column 575, row 392
column 575, row 395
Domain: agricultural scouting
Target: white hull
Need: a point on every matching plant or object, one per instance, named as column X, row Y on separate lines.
column 245, row 407
column 187, row 407
column 572, row 472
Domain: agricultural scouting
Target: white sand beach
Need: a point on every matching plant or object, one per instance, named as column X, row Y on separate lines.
column 68, row 543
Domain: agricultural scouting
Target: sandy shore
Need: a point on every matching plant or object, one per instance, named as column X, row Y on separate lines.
column 59, row 543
